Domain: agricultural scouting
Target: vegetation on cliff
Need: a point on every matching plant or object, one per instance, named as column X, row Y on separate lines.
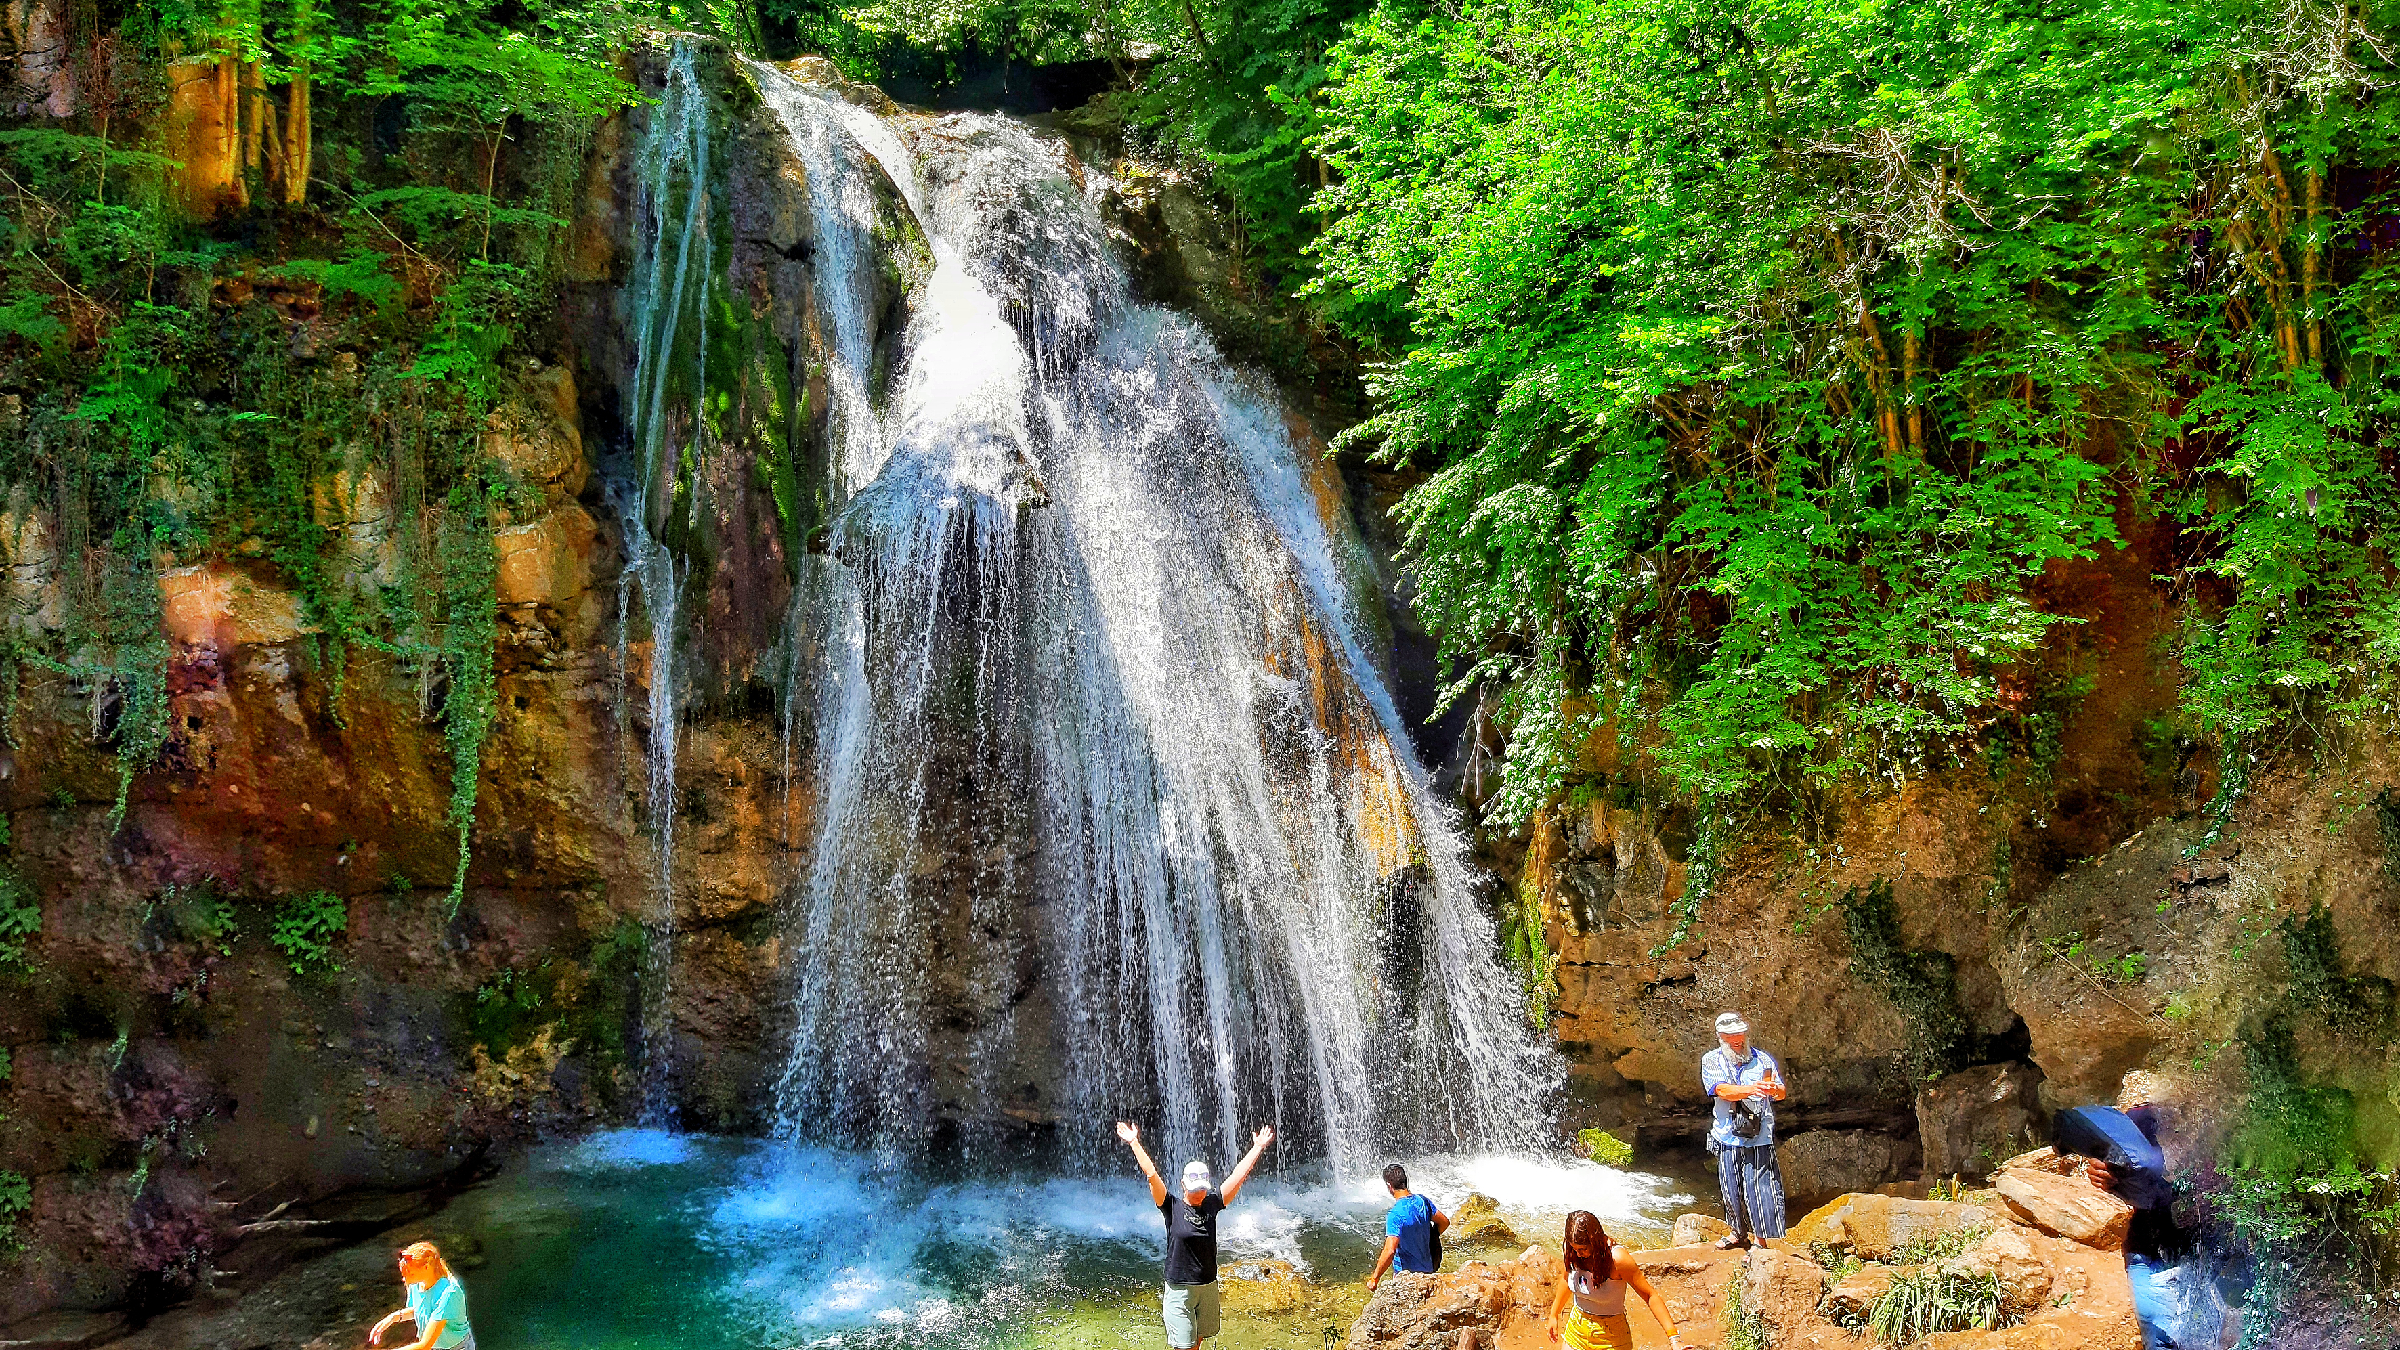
column 241, row 201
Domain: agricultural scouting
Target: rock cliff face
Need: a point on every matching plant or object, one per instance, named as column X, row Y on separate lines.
column 2048, row 918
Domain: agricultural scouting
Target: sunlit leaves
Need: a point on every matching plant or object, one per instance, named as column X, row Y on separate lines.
column 1762, row 356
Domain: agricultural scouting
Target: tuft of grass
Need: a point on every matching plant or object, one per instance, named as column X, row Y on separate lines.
column 1933, row 1299
column 1932, row 1247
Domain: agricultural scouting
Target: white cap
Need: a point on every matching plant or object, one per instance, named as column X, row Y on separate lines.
column 1196, row 1176
column 1731, row 1024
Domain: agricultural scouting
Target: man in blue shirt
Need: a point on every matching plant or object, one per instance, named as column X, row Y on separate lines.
column 1743, row 1085
column 1409, row 1227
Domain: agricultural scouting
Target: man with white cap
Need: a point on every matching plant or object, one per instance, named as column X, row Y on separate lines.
column 1744, row 1085
column 1189, row 1300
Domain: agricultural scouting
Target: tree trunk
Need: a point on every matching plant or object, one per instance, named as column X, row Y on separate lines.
column 253, row 93
column 296, row 138
column 229, row 128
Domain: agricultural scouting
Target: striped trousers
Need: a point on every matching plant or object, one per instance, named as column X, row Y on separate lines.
column 1752, row 1190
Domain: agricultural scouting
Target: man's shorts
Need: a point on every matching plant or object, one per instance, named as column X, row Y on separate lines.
column 1191, row 1313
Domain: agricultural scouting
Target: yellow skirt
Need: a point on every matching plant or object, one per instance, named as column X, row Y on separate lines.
column 1596, row 1333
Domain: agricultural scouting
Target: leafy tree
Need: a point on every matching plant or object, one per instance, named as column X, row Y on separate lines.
column 1763, row 358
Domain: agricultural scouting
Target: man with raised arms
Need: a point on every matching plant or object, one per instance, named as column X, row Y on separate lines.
column 1189, row 1302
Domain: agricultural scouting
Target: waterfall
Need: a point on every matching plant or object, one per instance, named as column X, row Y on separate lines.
column 669, row 296
column 1116, row 814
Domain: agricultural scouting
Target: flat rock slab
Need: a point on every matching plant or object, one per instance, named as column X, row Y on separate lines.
column 1873, row 1227
column 2068, row 1207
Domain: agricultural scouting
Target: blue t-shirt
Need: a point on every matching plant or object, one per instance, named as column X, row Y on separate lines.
column 441, row 1301
column 1411, row 1221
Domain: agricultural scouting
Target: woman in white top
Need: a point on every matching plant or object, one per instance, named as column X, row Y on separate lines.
column 1599, row 1272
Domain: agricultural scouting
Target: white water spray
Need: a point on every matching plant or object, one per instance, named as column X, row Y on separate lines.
column 1116, row 814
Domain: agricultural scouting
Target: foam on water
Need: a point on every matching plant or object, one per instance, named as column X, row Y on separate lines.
column 642, row 1239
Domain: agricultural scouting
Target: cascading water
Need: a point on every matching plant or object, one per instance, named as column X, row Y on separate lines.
column 1115, row 814
column 672, row 268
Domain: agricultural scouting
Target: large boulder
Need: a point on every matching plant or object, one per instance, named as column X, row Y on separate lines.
column 2068, row 1207
column 1428, row 1312
column 1971, row 1120
column 1782, row 1287
column 1824, row 1163
column 1874, row 1227
column 1477, row 1220
column 1692, row 1280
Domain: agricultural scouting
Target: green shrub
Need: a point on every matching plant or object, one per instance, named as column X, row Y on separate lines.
column 20, row 917
column 1604, row 1148
column 1932, row 1299
column 1930, row 1247
column 2298, row 1192
column 16, row 1197
column 306, row 928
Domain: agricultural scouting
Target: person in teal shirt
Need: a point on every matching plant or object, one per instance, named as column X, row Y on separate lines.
column 435, row 1300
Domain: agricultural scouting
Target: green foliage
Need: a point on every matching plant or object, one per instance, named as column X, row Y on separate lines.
column 1922, row 985
column 2312, row 954
column 16, row 1199
column 1604, row 1148
column 306, row 927
column 2296, row 1190
column 1931, row 1299
column 1526, row 947
column 200, row 913
column 2387, row 827
column 166, row 423
column 2081, row 952
column 20, row 917
column 1761, row 357
column 586, row 1003
column 1926, row 1248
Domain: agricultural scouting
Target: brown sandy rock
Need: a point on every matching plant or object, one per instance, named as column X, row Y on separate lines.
column 1972, row 1119
column 2097, row 1313
column 1782, row 1286
column 1824, row 1163
column 1853, row 1296
column 1872, row 1227
column 2025, row 1273
column 2068, row 1207
column 549, row 560
column 2046, row 1159
column 1693, row 1230
column 1693, row 1281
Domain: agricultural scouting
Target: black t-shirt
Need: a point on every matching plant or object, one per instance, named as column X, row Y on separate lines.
column 1191, row 1238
